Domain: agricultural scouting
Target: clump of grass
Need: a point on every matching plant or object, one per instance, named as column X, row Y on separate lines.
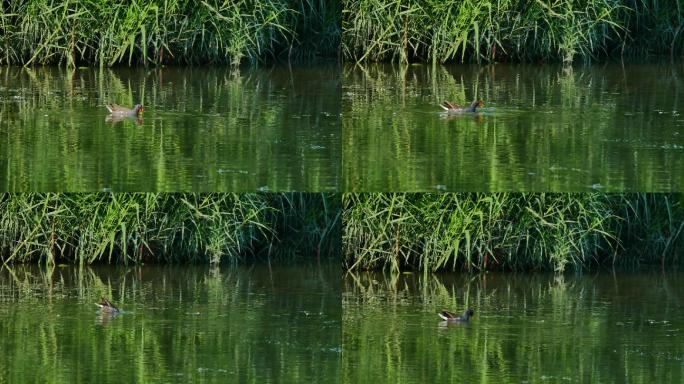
column 504, row 231
column 317, row 30
column 509, row 30
column 173, row 31
column 310, row 222
column 166, row 228
column 652, row 225
column 654, row 28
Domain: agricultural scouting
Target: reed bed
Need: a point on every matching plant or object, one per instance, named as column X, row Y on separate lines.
column 509, row 30
column 87, row 32
column 510, row 231
column 168, row 228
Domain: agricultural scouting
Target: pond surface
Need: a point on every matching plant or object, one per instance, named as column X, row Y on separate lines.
column 543, row 128
column 202, row 129
column 603, row 328
column 179, row 324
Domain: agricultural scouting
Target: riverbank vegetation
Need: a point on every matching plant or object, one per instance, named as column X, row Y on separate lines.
column 511, row 231
column 169, row 228
column 510, row 30
column 149, row 32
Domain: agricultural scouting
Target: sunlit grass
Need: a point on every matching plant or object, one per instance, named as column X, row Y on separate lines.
column 88, row 32
column 168, row 228
column 510, row 231
column 485, row 30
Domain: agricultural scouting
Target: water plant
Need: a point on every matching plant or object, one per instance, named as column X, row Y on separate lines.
column 127, row 228
column 510, row 231
column 87, row 32
column 509, row 30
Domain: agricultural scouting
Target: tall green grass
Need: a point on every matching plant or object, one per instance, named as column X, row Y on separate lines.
column 503, row 231
column 88, row 32
column 509, row 30
column 311, row 222
column 168, row 228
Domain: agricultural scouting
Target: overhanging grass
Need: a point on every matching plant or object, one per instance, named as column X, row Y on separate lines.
column 510, row 30
column 168, row 227
column 88, row 32
column 510, row 231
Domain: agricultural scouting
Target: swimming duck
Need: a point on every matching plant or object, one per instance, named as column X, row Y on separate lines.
column 117, row 110
column 453, row 318
column 453, row 109
column 106, row 306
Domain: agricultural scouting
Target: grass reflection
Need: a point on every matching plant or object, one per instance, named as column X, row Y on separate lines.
column 203, row 129
column 527, row 327
column 187, row 324
column 544, row 128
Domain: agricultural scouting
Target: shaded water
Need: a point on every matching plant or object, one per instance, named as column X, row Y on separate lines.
column 179, row 324
column 602, row 328
column 202, row 129
column 544, row 128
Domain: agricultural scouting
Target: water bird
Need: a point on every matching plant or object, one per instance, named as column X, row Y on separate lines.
column 450, row 108
column 106, row 306
column 453, row 318
column 117, row 110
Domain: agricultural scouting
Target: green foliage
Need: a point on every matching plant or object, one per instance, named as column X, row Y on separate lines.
column 655, row 27
column 565, row 30
column 509, row 231
column 166, row 227
column 311, row 222
column 165, row 31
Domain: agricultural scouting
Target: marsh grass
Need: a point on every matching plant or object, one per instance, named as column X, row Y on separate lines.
column 485, row 30
column 166, row 228
column 509, row 231
column 87, row 32
column 311, row 222
column 653, row 225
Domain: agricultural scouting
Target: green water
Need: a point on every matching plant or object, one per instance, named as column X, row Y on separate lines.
column 202, row 129
column 605, row 127
column 179, row 324
column 599, row 328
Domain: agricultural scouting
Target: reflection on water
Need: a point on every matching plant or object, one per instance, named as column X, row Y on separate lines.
column 114, row 119
column 202, row 129
column 543, row 128
column 527, row 328
column 177, row 324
